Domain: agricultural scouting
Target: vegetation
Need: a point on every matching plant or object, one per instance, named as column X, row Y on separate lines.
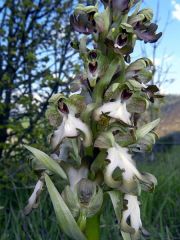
column 160, row 210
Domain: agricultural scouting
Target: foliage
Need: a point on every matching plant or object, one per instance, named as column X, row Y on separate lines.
column 34, row 44
column 160, row 211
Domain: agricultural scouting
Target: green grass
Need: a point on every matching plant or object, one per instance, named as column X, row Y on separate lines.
column 160, row 209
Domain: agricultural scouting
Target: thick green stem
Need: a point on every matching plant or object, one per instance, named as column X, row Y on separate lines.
column 93, row 228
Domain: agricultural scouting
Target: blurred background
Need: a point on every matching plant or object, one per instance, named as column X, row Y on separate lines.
column 36, row 60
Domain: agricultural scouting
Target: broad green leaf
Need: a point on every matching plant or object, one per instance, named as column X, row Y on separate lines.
column 65, row 219
column 47, row 161
column 142, row 131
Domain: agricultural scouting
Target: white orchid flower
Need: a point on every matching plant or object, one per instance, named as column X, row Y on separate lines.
column 76, row 174
column 120, row 158
column 70, row 127
column 133, row 214
column 33, row 200
column 116, row 110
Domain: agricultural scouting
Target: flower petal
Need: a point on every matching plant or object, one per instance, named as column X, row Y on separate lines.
column 33, row 200
column 133, row 214
column 115, row 110
column 120, row 158
column 76, row 174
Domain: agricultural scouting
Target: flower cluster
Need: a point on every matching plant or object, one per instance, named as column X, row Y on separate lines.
column 96, row 128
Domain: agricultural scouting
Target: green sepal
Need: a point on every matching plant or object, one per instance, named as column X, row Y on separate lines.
column 105, row 140
column 148, row 14
column 139, row 64
column 145, row 144
column 74, row 152
column 65, row 219
column 125, row 139
column 135, row 18
column 148, row 182
column 47, row 161
column 112, row 91
column 133, row 85
column 71, row 201
column 137, row 104
column 105, row 80
column 142, row 131
column 56, row 97
column 127, row 27
column 53, row 115
column 103, row 21
column 86, row 9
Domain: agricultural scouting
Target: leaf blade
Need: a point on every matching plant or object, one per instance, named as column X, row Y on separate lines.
column 47, row 161
column 65, row 219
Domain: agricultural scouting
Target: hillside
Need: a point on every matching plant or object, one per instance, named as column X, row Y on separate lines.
column 170, row 116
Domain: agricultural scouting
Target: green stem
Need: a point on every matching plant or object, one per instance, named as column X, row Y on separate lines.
column 92, row 230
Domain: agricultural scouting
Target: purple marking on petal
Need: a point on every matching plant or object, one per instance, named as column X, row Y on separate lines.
column 121, row 40
column 126, row 94
column 93, row 67
column 92, row 55
column 62, row 106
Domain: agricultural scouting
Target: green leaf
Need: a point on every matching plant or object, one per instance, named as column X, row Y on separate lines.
column 65, row 219
column 142, row 131
column 47, row 161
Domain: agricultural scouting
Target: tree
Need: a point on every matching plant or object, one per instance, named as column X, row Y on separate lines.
column 34, row 60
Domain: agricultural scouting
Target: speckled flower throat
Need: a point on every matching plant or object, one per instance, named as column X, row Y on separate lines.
column 96, row 128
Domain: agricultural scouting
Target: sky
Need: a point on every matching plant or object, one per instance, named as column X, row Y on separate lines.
column 169, row 48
